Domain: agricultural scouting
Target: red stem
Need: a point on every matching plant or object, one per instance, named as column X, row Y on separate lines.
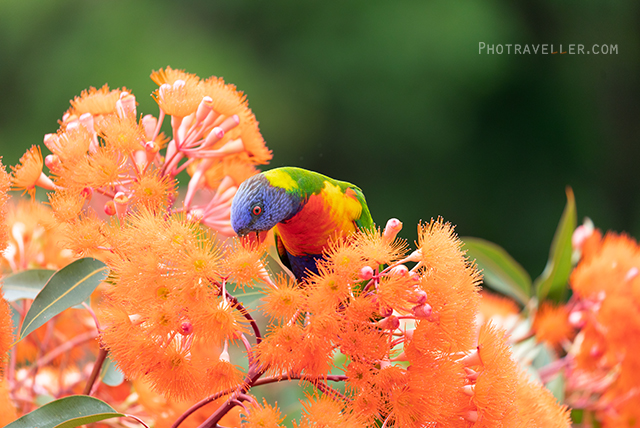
column 97, row 366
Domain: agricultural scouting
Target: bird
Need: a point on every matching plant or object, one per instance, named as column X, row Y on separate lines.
column 306, row 210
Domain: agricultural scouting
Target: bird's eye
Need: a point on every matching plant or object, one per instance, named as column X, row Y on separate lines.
column 257, row 210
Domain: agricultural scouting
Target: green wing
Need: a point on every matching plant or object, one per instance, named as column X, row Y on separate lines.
column 365, row 221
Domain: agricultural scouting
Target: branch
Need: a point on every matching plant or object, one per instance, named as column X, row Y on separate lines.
column 200, row 404
column 97, row 366
column 235, row 302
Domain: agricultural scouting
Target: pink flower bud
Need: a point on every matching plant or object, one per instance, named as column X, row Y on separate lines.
column 110, row 208
column 581, row 234
column 385, row 311
column 186, row 328
column 422, row 311
column 86, row 120
column 419, row 297
column 50, row 140
column 366, row 273
column 389, row 323
column 400, row 270
column 52, row 162
column 230, row 123
column 149, row 124
column 121, row 201
column 126, row 105
column 87, row 193
column 232, row 147
column 204, row 108
column 163, row 89
column 391, row 230
column 577, row 319
column 214, row 136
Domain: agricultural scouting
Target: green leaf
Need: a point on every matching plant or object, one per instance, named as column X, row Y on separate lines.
column 111, row 374
column 67, row 412
column 556, row 386
column 25, row 285
column 69, row 286
column 552, row 283
column 577, row 415
column 501, row 272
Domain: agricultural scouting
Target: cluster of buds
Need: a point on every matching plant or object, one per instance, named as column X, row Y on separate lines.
column 105, row 161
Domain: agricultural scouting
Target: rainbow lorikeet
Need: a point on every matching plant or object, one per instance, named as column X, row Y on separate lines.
column 306, row 210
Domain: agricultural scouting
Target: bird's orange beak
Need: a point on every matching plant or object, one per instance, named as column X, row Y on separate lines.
column 254, row 239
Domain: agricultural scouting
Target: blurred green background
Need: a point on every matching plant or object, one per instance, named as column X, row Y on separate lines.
column 392, row 96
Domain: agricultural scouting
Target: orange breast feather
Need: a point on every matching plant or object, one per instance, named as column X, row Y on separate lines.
column 325, row 216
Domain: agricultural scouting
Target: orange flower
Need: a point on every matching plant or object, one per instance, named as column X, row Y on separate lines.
column 326, row 290
column 451, row 284
column 6, row 333
column 29, row 173
column 66, row 205
column 170, row 75
column 121, row 133
column 8, row 411
column 376, row 250
column 103, row 168
column 244, row 263
column 343, row 258
column 263, row 416
column 95, row 101
column 610, row 269
column 153, row 191
column 278, row 349
column 551, row 325
column 495, row 389
column 69, row 145
column 606, row 285
column 221, row 375
column 35, row 241
column 397, row 292
column 432, row 389
column 227, row 101
column 363, row 342
column 319, row 410
column 537, row 407
column 285, row 301
column 230, row 166
column 219, row 321
column 165, row 303
column 179, row 93
column 84, row 236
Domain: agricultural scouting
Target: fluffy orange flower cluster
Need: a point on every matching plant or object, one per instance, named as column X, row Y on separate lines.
column 605, row 370
column 7, row 410
column 168, row 317
column 105, row 160
column 405, row 321
column 405, row 333
column 6, row 330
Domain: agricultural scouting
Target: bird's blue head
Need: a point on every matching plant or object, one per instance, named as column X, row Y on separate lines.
column 258, row 206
